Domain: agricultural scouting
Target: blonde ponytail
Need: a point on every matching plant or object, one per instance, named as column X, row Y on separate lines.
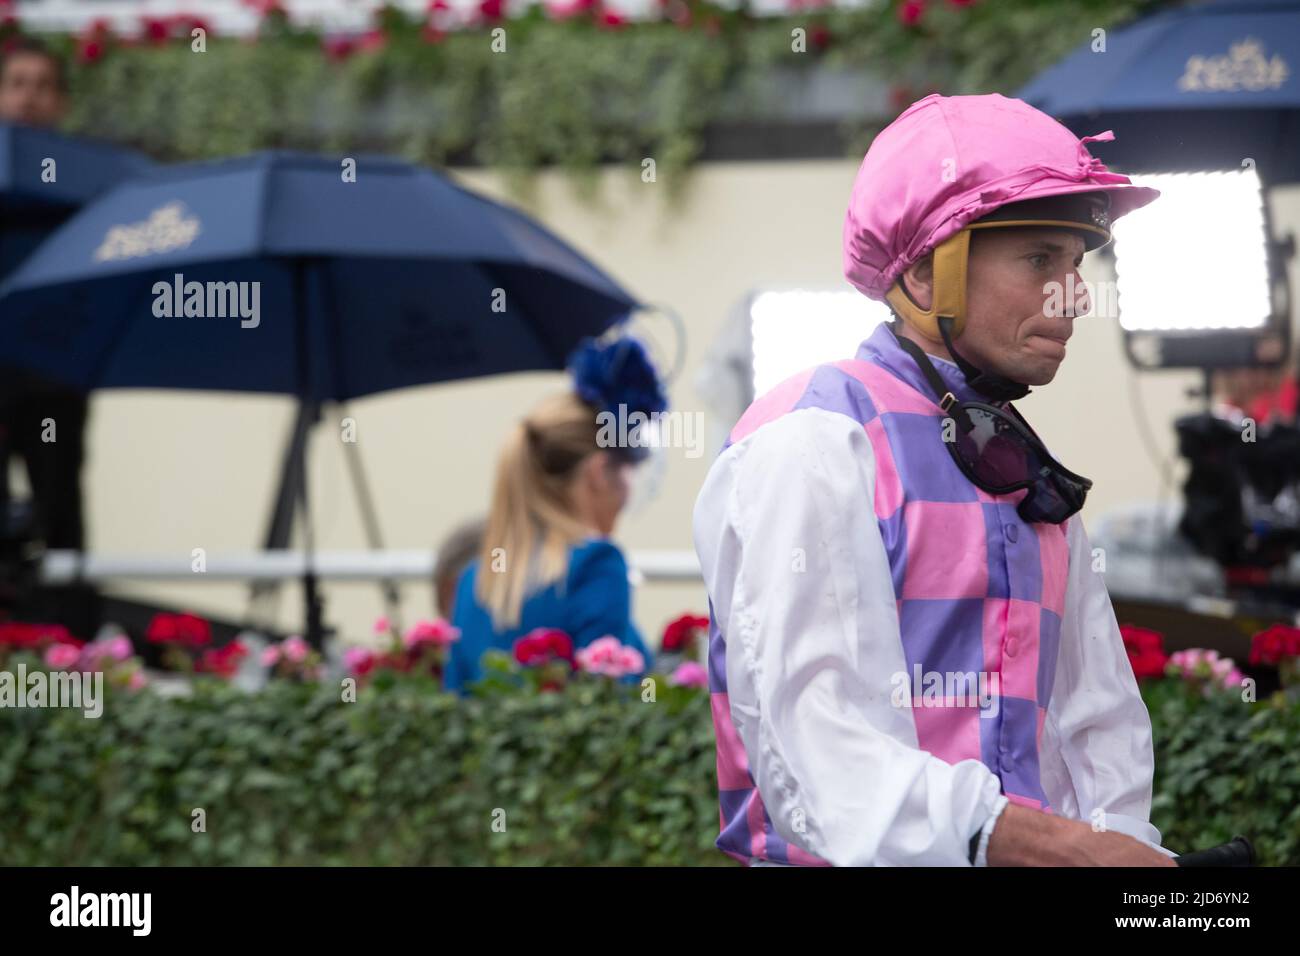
column 530, row 525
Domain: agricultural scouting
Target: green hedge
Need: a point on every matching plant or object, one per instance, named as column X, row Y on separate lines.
column 1225, row 767
column 591, row 775
column 405, row 775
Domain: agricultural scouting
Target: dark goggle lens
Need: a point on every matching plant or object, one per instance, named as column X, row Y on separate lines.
column 1052, row 500
column 1003, row 460
column 996, row 451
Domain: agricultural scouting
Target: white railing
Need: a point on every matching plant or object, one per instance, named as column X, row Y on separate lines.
column 61, row 567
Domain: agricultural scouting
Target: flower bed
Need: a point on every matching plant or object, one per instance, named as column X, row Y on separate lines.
column 546, row 763
column 575, row 85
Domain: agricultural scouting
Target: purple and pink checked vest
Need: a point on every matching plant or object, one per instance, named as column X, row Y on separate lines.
column 978, row 589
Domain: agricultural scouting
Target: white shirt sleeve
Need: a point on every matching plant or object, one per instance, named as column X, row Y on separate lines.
column 986, row 832
column 801, row 587
column 1096, row 756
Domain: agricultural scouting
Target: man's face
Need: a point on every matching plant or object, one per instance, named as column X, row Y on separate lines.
column 29, row 90
column 1015, row 325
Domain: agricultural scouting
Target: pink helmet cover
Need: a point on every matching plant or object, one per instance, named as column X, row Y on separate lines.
column 949, row 160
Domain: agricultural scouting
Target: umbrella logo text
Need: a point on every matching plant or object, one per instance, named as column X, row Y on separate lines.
column 1243, row 68
column 166, row 229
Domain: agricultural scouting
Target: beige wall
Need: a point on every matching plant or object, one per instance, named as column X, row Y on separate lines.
column 170, row 471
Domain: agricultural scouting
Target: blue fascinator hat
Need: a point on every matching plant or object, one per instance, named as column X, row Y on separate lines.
column 619, row 380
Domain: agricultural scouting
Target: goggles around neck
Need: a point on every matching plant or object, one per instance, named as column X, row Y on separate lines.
column 1000, row 453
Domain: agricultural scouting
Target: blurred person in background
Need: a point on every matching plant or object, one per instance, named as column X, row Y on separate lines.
column 1264, row 394
column 452, row 557
column 33, row 92
column 33, row 84
column 546, row 560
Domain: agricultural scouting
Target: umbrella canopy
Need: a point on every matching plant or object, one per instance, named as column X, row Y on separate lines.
column 1207, row 86
column 45, row 176
column 278, row 272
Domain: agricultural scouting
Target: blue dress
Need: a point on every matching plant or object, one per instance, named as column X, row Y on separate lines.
column 596, row 600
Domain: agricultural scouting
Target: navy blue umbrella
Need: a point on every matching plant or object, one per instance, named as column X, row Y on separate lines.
column 273, row 273
column 1206, row 86
column 276, row 272
column 45, row 176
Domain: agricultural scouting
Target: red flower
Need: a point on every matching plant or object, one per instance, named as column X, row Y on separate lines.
column 492, row 9
column 184, row 24
column 678, row 12
column 542, row 645
column 266, row 8
column 338, row 48
column 20, row 634
column 679, row 634
column 910, row 11
column 609, row 20
column 1145, row 649
column 820, row 37
column 222, row 661
column 1275, row 644
column 188, row 630
column 90, row 51
column 155, row 29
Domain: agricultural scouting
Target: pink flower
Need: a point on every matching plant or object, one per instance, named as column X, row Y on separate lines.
column 1199, row 664
column 566, row 9
column 438, row 633
column 60, row 656
column 359, row 660
column 295, row 649
column 119, row 647
column 270, row 656
column 372, row 40
column 689, row 674
column 137, row 681
column 382, row 625
column 607, row 656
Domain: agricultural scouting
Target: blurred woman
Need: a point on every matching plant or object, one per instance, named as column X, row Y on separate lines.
column 546, row 560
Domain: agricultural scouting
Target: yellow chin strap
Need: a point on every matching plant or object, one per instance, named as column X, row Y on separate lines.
column 949, row 282
column 949, row 285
